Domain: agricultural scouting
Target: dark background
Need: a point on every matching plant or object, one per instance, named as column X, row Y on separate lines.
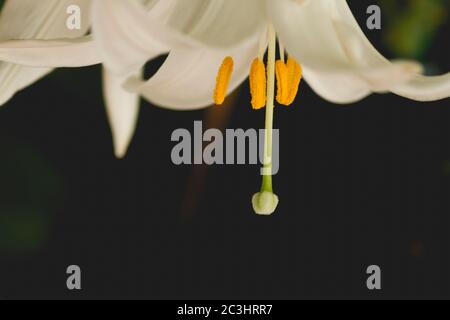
column 361, row 184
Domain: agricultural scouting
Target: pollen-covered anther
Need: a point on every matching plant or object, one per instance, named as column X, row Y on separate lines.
column 258, row 83
column 288, row 76
column 281, row 72
column 295, row 73
column 223, row 80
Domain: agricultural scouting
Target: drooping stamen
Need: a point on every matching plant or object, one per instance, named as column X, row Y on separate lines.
column 289, row 76
column 222, row 80
column 265, row 201
column 257, row 80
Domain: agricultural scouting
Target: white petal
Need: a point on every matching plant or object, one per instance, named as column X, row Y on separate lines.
column 329, row 49
column 31, row 19
column 421, row 88
column 336, row 88
column 78, row 52
column 348, row 87
column 122, row 108
column 43, row 19
column 14, row 78
column 218, row 23
column 308, row 32
column 127, row 36
column 187, row 78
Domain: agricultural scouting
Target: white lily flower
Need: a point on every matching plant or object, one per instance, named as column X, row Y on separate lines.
column 338, row 61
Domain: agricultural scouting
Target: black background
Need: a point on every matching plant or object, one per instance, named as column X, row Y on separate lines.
column 361, row 184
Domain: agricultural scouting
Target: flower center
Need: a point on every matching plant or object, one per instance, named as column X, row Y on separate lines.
column 262, row 88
